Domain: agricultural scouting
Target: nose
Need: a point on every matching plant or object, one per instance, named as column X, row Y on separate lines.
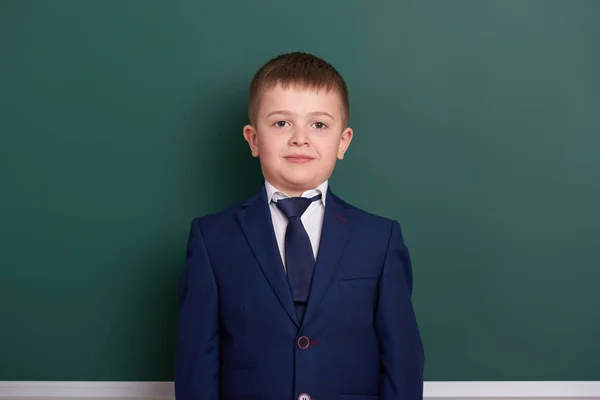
column 299, row 137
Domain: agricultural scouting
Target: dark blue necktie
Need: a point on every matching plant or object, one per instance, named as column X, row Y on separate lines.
column 299, row 257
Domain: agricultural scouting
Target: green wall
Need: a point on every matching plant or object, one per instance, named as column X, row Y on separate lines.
column 476, row 126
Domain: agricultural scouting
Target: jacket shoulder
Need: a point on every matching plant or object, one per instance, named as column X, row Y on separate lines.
column 215, row 219
column 366, row 216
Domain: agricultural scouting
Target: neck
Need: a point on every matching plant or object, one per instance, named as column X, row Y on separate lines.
column 292, row 191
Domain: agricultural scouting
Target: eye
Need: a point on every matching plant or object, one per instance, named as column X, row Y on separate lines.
column 281, row 124
column 320, row 125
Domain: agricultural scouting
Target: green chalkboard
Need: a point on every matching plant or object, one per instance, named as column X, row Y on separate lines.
column 476, row 126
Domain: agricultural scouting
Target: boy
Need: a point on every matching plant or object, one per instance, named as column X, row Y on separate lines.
column 260, row 318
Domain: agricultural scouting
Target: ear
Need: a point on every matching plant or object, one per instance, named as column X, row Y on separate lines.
column 252, row 139
column 344, row 142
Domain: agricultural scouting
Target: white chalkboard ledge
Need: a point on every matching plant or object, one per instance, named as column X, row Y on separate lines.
column 433, row 390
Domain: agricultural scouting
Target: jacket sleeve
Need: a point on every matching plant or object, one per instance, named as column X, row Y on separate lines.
column 400, row 346
column 197, row 353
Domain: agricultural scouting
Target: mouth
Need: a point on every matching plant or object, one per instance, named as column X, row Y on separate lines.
column 299, row 159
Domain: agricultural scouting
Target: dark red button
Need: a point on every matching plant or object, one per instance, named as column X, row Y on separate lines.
column 303, row 342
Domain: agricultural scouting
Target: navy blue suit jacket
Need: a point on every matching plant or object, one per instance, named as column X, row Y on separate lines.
column 239, row 336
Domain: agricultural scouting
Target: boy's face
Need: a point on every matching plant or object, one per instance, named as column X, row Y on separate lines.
column 298, row 136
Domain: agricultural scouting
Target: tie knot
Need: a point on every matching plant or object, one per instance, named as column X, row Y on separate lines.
column 295, row 206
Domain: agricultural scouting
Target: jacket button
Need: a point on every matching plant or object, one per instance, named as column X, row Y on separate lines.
column 303, row 343
column 304, row 396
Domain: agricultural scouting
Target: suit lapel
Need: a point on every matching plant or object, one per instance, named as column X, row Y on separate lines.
column 257, row 225
column 334, row 237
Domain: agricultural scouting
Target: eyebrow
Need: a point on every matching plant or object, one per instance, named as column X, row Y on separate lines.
column 311, row 114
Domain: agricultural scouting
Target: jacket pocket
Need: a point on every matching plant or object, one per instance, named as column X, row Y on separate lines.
column 243, row 364
column 357, row 280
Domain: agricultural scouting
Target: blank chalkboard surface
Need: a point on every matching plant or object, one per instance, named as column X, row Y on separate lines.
column 476, row 126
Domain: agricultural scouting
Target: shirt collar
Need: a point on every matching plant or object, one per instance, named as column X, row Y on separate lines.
column 274, row 194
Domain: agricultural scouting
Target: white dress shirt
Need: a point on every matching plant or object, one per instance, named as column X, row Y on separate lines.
column 312, row 219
